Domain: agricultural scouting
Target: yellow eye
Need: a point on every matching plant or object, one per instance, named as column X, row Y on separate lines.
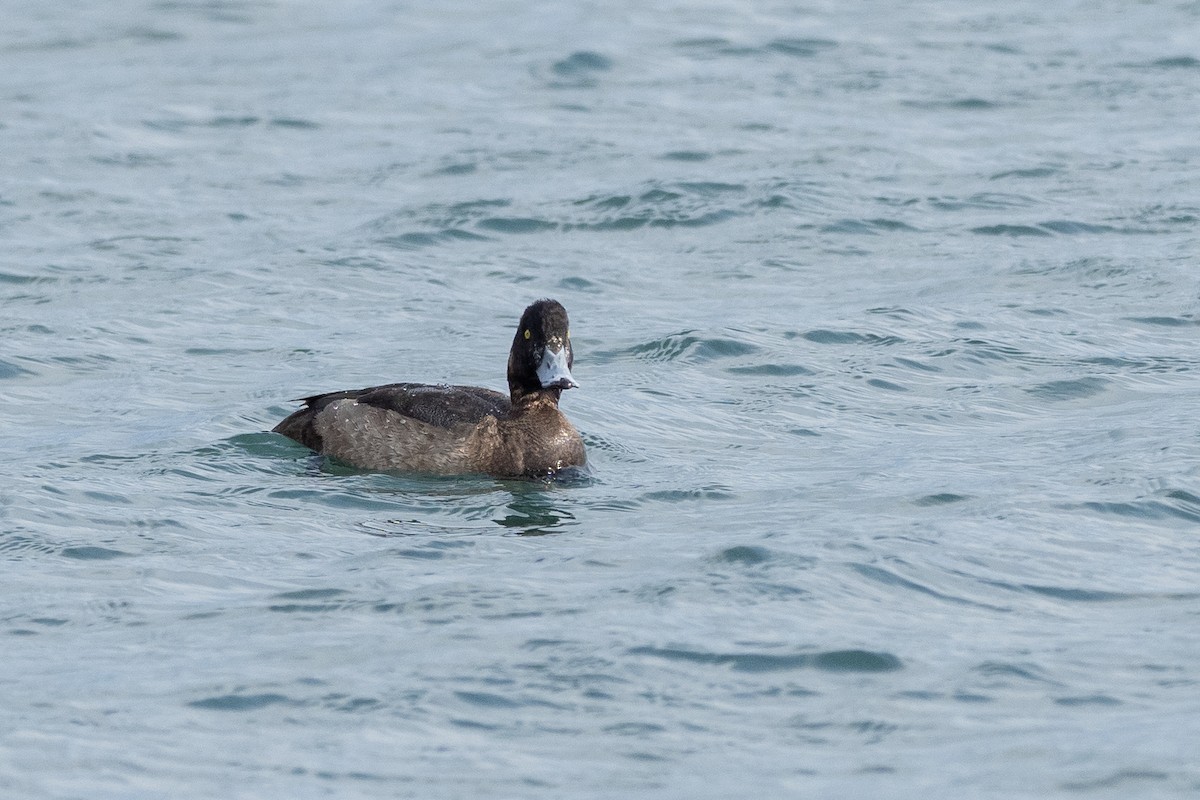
column 527, row 334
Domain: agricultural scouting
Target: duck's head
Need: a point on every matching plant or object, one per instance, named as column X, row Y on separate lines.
column 541, row 356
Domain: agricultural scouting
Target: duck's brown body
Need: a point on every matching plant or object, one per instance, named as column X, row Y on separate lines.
column 445, row 430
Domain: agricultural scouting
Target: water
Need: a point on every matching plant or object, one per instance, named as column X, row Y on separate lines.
column 886, row 318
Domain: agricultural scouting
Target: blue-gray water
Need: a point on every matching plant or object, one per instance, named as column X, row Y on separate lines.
column 886, row 316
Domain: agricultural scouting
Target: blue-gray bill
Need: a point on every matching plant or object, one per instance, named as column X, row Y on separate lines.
column 554, row 372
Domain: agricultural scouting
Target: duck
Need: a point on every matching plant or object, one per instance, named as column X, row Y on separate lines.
column 455, row 430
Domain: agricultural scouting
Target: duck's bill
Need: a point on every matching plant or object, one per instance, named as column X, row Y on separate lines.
column 554, row 372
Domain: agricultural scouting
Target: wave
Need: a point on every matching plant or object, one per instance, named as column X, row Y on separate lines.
column 757, row 661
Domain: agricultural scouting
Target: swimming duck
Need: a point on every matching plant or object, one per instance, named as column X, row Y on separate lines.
column 447, row 430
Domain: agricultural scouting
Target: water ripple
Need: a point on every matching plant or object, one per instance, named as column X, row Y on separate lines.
column 657, row 204
column 688, row 347
column 832, row 337
column 1076, row 389
column 9, row 371
column 1060, row 226
column 242, row 702
column 1123, row 780
column 583, row 62
column 91, row 553
column 1177, row 504
column 719, row 47
column 893, row 578
column 828, row 661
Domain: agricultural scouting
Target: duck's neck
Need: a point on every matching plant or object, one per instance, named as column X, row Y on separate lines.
column 519, row 396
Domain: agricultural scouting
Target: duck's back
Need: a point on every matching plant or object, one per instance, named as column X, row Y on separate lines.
column 400, row 426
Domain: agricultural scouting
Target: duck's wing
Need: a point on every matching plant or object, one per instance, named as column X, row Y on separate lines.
column 440, row 406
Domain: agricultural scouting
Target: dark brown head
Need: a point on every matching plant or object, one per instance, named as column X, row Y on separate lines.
column 541, row 356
